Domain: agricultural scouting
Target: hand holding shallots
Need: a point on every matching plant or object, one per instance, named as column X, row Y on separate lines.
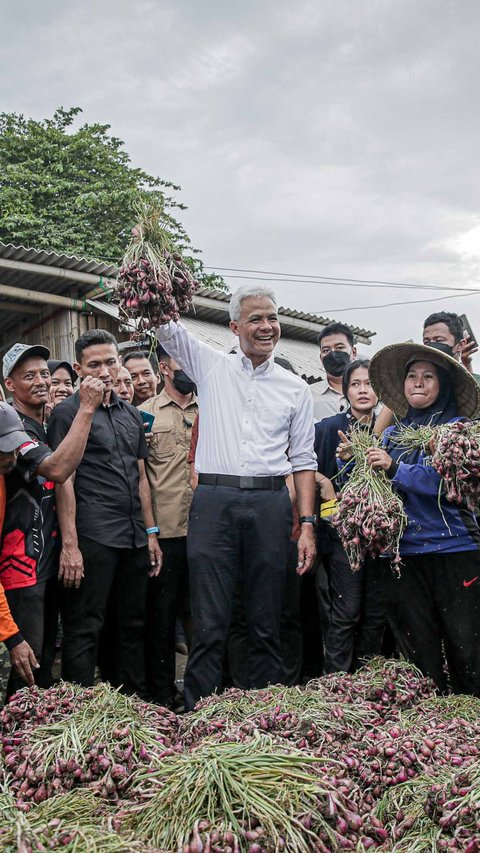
column 379, row 458
column 370, row 517
column 454, row 450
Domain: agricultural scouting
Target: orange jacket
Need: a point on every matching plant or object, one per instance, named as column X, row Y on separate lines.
column 7, row 626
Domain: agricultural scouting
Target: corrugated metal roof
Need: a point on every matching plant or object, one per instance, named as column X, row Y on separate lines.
column 52, row 259
column 290, row 312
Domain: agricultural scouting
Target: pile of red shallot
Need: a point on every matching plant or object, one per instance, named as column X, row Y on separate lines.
column 370, row 761
column 154, row 283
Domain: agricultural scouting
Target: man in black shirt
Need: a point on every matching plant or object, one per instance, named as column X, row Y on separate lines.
column 28, row 553
column 109, row 537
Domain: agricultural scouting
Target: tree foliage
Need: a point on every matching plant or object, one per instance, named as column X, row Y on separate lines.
column 74, row 191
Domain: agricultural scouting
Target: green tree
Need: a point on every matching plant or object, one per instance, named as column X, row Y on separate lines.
column 74, row 191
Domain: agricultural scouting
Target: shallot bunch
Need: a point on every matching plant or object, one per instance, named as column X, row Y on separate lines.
column 454, row 451
column 251, row 797
column 370, row 518
column 457, row 459
column 154, row 283
column 94, row 738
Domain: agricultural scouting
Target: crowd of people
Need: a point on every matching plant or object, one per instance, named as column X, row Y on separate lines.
column 131, row 525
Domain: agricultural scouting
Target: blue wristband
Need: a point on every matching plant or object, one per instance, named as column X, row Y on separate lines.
column 149, row 530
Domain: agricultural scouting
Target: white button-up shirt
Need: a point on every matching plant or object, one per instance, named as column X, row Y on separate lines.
column 253, row 422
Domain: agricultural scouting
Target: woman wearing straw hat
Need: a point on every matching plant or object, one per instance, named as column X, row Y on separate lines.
column 434, row 605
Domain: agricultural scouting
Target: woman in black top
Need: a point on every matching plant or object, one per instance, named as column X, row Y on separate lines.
column 350, row 603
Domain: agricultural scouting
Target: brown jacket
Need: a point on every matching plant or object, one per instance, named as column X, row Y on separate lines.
column 167, row 466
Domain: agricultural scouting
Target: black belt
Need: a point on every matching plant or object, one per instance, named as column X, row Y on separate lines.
column 274, row 483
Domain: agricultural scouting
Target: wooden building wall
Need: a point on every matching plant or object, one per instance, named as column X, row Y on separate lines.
column 58, row 330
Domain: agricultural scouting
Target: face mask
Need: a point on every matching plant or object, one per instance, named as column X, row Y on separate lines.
column 183, row 383
column 336, row 362
column 446, row 348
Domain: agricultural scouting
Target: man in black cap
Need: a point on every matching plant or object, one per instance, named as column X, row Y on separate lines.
column 28, row 553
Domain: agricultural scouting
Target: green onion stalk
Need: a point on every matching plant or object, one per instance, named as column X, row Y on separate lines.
column 73, row 822
column 254, row 796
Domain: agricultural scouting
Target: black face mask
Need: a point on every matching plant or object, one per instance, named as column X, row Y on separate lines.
column 183, row 383
column 336, row 362
column 446, row 348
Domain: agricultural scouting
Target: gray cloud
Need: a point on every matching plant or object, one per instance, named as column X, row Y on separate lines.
column 333, row 139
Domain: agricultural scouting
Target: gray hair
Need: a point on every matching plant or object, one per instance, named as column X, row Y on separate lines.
column 245, row 292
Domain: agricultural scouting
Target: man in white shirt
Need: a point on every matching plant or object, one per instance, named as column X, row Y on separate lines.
column 257, row 427
column 337, row 349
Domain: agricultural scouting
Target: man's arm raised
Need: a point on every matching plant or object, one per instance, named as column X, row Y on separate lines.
column 68, row 455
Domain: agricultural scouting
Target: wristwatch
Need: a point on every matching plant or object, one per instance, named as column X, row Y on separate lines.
column 310, row 519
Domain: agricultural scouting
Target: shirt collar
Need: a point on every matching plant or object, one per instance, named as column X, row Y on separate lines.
column 164, row 399
column 324, row 386
column 114, row 401
column 245, row 363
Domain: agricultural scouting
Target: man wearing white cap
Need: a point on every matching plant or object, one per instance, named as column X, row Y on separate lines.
column 28, row 558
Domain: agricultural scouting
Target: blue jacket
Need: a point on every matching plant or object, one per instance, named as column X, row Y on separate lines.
column 434, row 524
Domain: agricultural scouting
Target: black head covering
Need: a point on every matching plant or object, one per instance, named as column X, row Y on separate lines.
column 54, row 364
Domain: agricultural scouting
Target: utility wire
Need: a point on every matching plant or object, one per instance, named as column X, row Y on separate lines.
column 300, row 278
column 303, row 278
column 391, row 304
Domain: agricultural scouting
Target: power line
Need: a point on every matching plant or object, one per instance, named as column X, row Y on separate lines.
column 391, row 304
column 304, row 278
column 300, row 278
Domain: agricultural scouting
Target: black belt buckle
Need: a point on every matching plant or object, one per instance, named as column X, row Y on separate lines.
column 246, row 483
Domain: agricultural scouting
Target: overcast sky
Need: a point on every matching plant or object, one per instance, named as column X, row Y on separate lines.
column 323, row 138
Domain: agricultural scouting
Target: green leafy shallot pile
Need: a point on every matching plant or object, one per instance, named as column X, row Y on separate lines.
column 370, row 761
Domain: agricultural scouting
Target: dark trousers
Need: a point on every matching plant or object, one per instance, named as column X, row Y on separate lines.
column 236, row 536
column 434, row 608
column 290, row 631
column 53, row 592
column 351, row 609
column 164, row 600
column 27, row 606
column 114, row 579
column 35, row 610
column 312, row 631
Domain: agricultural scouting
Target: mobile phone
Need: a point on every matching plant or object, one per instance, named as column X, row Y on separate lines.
column 467, row 330
column 148, row 420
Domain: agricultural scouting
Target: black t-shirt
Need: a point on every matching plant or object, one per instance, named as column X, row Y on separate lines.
column 29, row 546
column 106, row 481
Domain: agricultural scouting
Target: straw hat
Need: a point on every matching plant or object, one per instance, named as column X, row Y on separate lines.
column 387, row 374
